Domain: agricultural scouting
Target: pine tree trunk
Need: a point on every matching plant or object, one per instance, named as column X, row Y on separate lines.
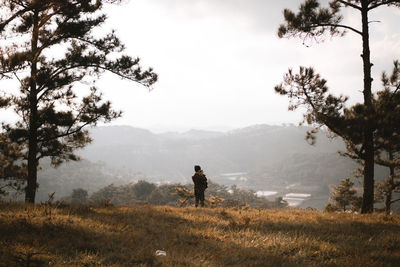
column 368, row 196
column 388, row 202
column 30, row 190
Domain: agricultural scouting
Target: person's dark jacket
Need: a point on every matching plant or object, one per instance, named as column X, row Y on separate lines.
column 200, row 182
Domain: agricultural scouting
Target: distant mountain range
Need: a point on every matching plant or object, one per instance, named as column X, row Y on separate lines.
column 260, row 157
column 173, row 155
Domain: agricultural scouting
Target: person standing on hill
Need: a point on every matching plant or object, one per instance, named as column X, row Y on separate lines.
column 200, row 185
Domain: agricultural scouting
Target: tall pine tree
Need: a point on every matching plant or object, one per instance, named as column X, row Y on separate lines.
column 313, row 22
column 50, row 48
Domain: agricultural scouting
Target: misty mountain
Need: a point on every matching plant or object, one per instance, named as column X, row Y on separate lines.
column 261, row 158
column 172, row 155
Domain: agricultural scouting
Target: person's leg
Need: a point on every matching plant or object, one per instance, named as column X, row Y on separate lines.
column 197, row 198
column 201, row 198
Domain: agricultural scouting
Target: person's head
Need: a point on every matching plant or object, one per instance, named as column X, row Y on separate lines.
column 197, row 168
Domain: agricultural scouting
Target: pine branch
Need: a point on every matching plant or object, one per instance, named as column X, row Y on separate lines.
column 60, row 70
column 346, row 3
column 12, row 17
column 337, row 25
column 356, row 156
column 75, row 120
column 46, row 19
column 67, row 133
column 387, row 163
column 387, row 2
column 13, row 70
column 19, row 80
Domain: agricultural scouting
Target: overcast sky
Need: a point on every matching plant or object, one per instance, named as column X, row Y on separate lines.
column 219, row 60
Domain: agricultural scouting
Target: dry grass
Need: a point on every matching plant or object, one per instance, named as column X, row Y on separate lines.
column 129, row 236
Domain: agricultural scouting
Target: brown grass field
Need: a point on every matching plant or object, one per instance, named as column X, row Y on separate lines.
column 42, row 235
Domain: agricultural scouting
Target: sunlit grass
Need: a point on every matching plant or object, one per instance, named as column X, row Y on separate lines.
column 130, row 236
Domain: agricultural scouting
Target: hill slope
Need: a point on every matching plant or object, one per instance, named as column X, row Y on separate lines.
column 130, row 236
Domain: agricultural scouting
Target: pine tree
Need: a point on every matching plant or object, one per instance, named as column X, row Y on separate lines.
column 311, row 23
column 51, row 50
column 384, row 192
column 308, row 89
column 344, row 194
column 388, row 133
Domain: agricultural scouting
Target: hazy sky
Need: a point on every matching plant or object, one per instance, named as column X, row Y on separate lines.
column 219, row 60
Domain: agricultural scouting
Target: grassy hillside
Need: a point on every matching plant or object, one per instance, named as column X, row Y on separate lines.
column 129, row 236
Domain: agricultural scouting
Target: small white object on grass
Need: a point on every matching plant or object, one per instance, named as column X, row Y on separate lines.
column 161, row 253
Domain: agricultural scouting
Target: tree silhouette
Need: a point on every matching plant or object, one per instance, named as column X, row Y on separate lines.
column 312, row 22
column 387, row 135
column 344, row 194
column 52, row 49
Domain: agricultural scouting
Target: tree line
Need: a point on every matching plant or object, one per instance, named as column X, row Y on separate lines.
column 170, row 194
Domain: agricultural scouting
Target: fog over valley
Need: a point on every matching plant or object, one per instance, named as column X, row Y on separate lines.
column 273, row 161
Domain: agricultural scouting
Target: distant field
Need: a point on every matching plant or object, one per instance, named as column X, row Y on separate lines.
column 129, row 236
